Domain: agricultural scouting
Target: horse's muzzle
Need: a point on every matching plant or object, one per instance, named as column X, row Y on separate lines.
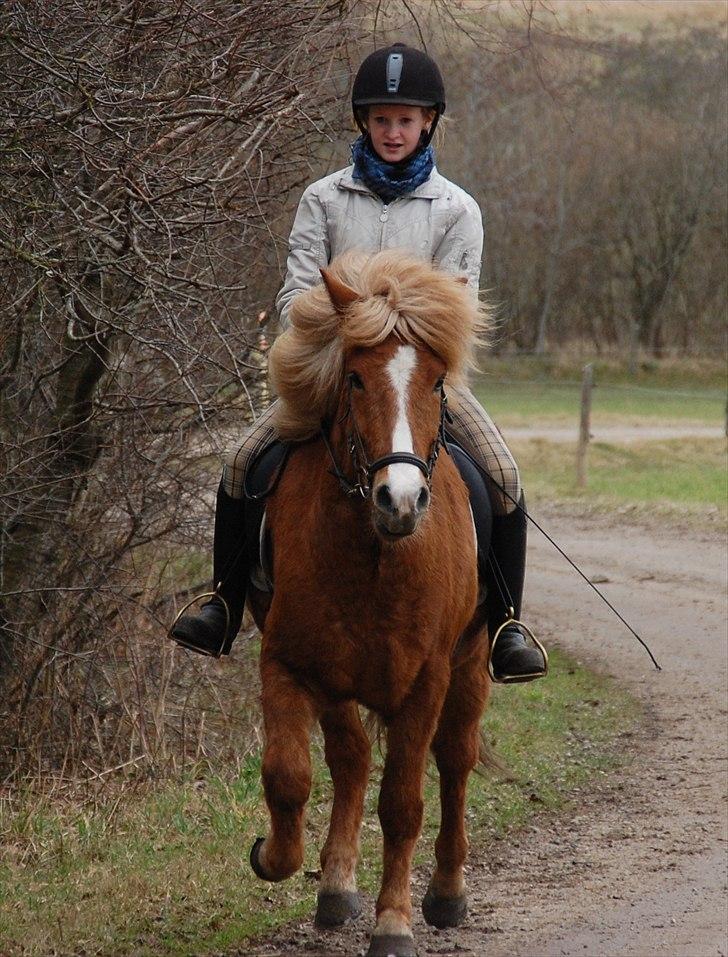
column 398, row 520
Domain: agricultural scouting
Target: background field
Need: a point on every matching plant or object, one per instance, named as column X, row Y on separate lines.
column 538, row 392
column 685, row 473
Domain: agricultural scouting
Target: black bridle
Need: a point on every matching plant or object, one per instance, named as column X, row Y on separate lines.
column 364, row 470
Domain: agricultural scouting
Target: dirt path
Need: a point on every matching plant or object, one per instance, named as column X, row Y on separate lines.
column 640, row 869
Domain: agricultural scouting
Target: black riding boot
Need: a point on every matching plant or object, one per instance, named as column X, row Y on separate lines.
column 512, row 658
column 209, row 632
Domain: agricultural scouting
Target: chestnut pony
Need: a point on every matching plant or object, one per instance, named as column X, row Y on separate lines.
column 375, row 583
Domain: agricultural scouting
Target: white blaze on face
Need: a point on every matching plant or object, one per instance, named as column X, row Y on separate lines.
column 405, row 481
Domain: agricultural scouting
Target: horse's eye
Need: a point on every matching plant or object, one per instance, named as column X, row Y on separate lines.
column 355, row 380
column 440, row 384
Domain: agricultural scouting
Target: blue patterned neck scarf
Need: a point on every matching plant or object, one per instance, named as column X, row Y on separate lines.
column 390, row 180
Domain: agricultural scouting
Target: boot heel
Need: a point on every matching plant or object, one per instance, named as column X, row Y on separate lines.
column 538, row 671
column 187, row 640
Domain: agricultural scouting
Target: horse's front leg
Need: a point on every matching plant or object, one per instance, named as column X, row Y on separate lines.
column 289, row 713
column 347, row 751
column 456, row 746
column 409, row 735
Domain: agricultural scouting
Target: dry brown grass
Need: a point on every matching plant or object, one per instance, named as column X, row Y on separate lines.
column 635, row 15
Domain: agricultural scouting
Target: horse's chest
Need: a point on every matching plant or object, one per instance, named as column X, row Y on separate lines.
column 372, row 655
column 371, row 622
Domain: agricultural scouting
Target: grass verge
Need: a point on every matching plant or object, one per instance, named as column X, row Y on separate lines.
column 162, row 869
column 527, row 391
column 686, row 476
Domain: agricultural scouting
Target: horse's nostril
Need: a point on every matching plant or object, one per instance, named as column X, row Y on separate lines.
column 423, row 500
column 383, row 499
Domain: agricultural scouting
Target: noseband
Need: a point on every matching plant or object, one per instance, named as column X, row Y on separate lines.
column 364, row 470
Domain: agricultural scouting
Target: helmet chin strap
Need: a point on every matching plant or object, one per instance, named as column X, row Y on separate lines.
column 427, row 135
column 362, row 128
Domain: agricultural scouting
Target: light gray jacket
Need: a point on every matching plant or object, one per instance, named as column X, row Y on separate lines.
column 438, row 222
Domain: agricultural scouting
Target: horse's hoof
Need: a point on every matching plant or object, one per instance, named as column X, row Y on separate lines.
column 392, row 945
column 255, row 860
column 335, row 909
column 444, row 912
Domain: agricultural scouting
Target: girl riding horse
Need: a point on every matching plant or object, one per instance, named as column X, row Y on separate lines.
column 391, row 197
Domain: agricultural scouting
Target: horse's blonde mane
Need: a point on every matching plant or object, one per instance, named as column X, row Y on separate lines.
column 400, row 295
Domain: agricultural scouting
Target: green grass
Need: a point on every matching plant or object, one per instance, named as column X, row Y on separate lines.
column 163, row 869
column 687, row 375
column 537, row 404
column 540, row 403
column 684, row 474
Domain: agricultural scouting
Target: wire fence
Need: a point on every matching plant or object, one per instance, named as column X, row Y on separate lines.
column 714, row 395
column 623, row 411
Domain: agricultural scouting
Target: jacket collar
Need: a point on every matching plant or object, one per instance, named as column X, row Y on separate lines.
column 430, row 189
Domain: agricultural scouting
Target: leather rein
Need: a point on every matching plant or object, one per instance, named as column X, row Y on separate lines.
column 364, row 470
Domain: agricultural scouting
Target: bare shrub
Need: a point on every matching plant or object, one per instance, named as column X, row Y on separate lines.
column 149, row 150
column 152, row 155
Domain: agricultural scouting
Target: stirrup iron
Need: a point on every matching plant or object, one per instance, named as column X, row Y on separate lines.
column 193, row 601
column 526, row 631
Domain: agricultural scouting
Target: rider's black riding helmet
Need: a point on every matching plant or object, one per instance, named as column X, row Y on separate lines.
column 399, row 74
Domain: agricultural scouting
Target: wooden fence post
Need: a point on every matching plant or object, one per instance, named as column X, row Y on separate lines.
column 584, row 426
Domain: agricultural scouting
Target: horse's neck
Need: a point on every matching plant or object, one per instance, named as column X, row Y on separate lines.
column 345, row 518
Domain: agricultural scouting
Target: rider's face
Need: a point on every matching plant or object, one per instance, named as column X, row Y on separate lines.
column 395, row 130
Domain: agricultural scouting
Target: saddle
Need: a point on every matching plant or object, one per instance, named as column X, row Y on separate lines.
column 265, row 473
column 261, row 480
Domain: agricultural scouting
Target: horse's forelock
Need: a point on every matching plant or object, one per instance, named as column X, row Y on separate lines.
column 398, row 295
column 369, row 322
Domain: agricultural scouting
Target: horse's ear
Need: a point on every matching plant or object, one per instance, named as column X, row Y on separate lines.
column 341, row 295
